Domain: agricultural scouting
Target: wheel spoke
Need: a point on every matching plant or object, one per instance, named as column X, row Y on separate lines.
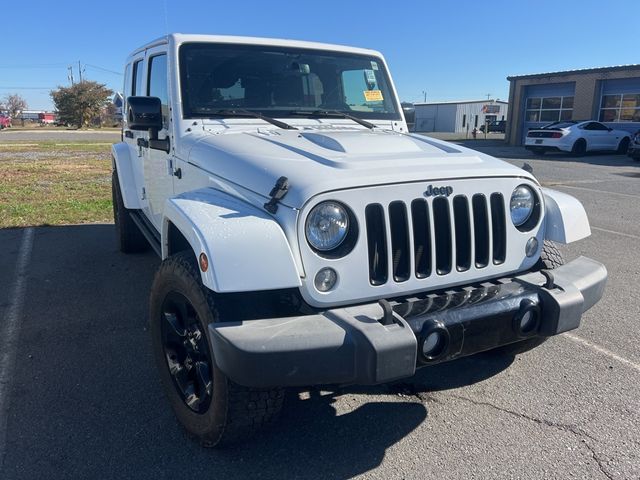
column 203, row 377
column 187, row 352
column 175, row 328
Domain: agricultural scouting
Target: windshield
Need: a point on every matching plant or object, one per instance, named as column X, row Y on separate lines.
column 277, row 81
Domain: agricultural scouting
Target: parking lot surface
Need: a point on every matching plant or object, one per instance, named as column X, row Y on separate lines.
column 83, row 399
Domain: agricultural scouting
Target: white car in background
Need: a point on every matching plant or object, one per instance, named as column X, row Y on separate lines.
column 577, row 138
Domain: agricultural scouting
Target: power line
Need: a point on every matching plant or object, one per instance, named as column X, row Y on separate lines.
column 27, row 88
column 43, row 65
column 103, row 69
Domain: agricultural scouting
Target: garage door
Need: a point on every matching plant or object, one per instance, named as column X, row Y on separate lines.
column 544, row 104
column 620, row 104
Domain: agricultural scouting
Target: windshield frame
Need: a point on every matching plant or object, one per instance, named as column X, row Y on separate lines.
column 286, row 112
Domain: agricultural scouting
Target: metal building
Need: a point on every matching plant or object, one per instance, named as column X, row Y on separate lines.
column 459, row 116
column 608, row 94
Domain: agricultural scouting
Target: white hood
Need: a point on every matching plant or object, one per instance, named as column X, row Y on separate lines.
column 323, row 159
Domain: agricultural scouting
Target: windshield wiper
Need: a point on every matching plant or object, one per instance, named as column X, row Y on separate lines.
column 332, row 113
column 250, row 114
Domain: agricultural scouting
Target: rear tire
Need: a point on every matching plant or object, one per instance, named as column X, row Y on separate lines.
column 210, row 406
column 550, row 258
column 130, row 238
column 579, row 147
column 624, row 146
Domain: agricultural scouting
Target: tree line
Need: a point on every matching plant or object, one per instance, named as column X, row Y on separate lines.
column 79, row 105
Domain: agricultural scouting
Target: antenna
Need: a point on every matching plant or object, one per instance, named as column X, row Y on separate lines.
column 166, row 17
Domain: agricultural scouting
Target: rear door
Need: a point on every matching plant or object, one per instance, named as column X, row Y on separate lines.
column 158, row 166
column 134, row 81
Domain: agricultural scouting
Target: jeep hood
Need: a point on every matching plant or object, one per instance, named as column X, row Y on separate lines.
column 318, row 160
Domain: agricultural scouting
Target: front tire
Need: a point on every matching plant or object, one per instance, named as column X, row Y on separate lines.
column 550, row 258
column 210, row 406
column 623, row 146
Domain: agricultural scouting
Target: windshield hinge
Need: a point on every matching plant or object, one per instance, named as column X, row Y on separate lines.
column 277, row 193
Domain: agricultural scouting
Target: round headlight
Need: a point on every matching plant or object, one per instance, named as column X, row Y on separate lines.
column 521, row 205
column 327, row 226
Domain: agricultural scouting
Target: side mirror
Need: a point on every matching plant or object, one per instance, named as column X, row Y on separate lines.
column 144, row 113
column 609, row 128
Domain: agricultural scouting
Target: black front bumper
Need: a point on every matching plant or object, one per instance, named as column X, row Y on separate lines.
column 634, row 151
column 378, row 343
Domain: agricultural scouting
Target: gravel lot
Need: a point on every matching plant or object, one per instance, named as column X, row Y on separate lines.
column 84, row 399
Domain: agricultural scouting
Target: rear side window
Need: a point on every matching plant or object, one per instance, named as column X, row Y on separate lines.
column 136, row 88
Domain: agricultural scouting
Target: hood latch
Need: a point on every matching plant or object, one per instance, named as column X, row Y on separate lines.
column 277, row 193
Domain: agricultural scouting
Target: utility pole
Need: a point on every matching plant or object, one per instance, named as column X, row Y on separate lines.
column 79, row 71
column 424, row 94
column 70, row 76
column 488, row 96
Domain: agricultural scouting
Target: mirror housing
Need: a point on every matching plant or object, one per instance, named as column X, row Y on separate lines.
column 144, row 113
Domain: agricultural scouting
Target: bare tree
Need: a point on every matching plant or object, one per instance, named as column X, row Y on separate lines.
column 14, row 104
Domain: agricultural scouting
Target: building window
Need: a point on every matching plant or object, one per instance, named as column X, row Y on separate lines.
column 549, row 109
column 620, row 108
column 464, row 120
column 476, row 122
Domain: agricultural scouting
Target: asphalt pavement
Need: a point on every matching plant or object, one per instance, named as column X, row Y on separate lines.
column 83, row 398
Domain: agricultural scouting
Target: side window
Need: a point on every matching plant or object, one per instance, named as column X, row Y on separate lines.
column 127, row 81
column 598, row 126
column 127, row 88
column 157, row 81
column 136, row 88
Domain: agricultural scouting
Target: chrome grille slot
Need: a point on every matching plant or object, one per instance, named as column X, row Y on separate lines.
column 463, row 232
column 498, row 228
column 443, row 240
column 421, row 238
column 434, row 236
column 481, row 230
column 399, row 241
column 377, row 244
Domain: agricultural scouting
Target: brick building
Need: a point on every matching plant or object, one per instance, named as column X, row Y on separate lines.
column 608, row 94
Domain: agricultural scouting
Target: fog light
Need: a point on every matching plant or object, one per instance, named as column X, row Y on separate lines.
column 325, row 279
column 431, row 343
column 434, row 340
column 532, row 247
column 527, row 321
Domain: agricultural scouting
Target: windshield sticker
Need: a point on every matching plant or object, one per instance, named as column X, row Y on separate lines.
column 374, row 65
column 373, row 96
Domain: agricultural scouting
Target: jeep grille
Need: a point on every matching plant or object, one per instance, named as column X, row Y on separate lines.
column 446, row 233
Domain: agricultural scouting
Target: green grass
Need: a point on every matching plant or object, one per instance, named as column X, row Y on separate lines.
column 49, row 183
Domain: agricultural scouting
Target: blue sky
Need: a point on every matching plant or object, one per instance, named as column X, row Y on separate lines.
column 451, row 50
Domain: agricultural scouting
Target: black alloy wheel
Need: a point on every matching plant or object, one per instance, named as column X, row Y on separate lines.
column 187, row 352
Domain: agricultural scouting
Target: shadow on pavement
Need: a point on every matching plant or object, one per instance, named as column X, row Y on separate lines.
column 86, row 402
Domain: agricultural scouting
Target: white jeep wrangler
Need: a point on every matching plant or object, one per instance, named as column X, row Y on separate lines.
column 308, row 239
